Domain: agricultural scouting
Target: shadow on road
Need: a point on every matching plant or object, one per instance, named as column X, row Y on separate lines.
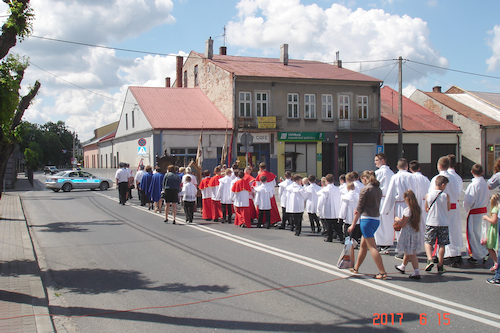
column 98, row 281
column 72, row 226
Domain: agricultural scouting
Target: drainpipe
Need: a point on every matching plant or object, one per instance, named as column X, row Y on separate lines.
column 235, row 121
column 459, row 158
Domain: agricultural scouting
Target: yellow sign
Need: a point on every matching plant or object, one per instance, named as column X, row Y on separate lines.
column 267, row 122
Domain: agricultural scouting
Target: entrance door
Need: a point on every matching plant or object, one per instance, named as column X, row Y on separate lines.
column 438, row 150
column 343, row 158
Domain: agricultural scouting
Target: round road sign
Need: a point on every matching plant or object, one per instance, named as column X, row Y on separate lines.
column 142, row 142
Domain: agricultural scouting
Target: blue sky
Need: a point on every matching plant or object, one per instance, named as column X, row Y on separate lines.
column 461, row 35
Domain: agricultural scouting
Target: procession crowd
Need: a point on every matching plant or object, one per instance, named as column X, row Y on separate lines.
column 375, row 208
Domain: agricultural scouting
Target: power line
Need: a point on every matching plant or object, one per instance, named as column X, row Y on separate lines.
column 73, row 84
column 454, row 70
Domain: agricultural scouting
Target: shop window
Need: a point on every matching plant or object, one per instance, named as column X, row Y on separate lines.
column 183, row 155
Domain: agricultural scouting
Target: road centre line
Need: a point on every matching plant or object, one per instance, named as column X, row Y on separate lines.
column 383, row 286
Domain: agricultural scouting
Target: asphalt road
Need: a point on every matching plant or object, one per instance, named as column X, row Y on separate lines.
column 113, row 268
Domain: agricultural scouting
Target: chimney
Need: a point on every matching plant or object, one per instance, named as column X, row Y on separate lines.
column 337, row 61
column 284, row 54
column 222, row 50
column 178, row 71
column 167, row 82
column 436, row 89
column 209, row 48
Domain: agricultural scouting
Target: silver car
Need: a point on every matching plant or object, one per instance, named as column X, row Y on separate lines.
column 74, row 179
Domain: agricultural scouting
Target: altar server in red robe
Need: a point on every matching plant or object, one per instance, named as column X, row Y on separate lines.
column 240, row 194
column 271, row 183
column 214, row 185
column 206, row 196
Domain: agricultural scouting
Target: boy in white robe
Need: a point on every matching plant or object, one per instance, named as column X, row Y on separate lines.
column 188, row 194
column 349, row 202
column 384, row 236
column 282, row 194
column 312, row 203
column 476, row 204
column 454, row 250
column 263, row 202
column 453, row 225
column 296, row 196
column 329, row 205
column 421, row 184
column 225, row 196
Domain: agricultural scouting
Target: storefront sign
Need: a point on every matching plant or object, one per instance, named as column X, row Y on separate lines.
column 256, row 137
column 266, row 122
column 301, row 136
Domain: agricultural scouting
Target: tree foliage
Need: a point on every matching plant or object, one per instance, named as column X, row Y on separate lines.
column 12, row 106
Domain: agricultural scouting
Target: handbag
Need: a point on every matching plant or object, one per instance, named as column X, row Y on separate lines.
column 346, row 259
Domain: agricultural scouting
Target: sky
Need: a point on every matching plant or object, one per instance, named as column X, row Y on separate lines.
column 442, row 42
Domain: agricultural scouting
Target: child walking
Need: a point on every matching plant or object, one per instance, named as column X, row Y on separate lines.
column 189, row 196
column 437, row 205
column 492, row 234
column 409, row 239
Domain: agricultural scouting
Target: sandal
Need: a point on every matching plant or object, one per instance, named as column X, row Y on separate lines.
column 354, row 270
column 381, row 276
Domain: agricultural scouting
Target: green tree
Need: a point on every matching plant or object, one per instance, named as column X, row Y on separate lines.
column 12, row 67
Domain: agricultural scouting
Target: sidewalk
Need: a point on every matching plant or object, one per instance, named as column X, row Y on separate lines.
column 23, row 303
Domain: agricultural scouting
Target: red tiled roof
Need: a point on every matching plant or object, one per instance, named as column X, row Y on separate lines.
column 462, row 109
column 416, row 118
column 298, row 69
column 170, row 108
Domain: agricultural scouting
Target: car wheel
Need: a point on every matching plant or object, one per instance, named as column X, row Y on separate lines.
column 67, row 187
column 55, row 189
column 92, row 189
column 104, row 186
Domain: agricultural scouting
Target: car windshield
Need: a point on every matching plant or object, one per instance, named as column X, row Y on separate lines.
column 52, row 167
column 60, row 173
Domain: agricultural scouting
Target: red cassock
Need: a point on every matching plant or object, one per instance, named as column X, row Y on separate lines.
column 251, row 182
column 216, row 205
column 206, row 198
column 275, row 215
column 241, row 190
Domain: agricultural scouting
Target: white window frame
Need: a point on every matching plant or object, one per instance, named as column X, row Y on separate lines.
column 327, row 107
column 245, row 104
column 293, row 110
column 344, row 107
column 261, row 105
column 309, row 106
column 363, row 107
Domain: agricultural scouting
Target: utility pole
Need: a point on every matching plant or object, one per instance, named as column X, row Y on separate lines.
column 400, row 111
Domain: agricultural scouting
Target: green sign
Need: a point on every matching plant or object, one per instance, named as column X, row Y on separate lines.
column 319, row 157
column 301, row 136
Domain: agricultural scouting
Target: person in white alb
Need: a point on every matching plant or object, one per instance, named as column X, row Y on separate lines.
column 384, row 236
column 349, row 202
column 476, row 201
column 137, row 181
column 189, row 196
column 394, row 203
column 225, row 196
column 312, row 203
column 263, row 202
column 453, row 249
column 329, row 206
column 282, row 194
column 421, row 184
column 295, row 198
column 451, row 190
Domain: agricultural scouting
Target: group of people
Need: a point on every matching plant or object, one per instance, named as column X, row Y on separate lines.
column 376, row 208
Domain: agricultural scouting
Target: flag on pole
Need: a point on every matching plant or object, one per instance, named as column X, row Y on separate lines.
column 230, row 151
column 199, row 152
column 224, row 149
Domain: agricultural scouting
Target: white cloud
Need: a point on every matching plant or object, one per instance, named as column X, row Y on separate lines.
column 99, row 70
column 494, row 61
column 408, row 90
column 317, row 34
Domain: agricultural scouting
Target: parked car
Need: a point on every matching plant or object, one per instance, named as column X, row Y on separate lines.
column 50, row 169
column 73, row 179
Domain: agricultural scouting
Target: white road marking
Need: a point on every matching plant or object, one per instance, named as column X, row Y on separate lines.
column 380, row 285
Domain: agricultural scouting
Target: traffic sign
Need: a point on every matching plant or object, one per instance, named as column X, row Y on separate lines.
column 142, row 142
column 380, row 149
column 141, row 151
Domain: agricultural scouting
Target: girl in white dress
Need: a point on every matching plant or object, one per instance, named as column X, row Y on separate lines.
column 409, row 240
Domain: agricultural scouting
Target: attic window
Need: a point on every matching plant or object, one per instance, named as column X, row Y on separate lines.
column 449, row 117
column 196, row 75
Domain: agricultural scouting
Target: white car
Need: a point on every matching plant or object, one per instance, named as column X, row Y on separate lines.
column 74, row 179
